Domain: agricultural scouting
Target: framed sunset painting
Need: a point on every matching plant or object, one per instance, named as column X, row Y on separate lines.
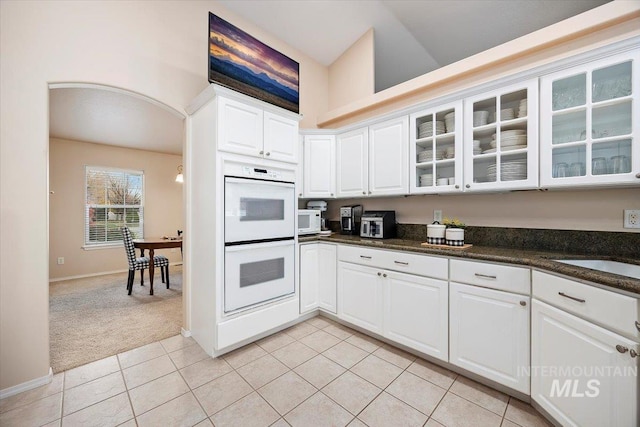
column 241, row 62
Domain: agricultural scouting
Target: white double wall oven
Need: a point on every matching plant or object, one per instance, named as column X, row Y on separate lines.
column 259, row 235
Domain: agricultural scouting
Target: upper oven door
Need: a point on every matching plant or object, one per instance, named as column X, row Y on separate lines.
column 258, row 210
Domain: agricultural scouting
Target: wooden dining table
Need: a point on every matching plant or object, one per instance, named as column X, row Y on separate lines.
column 152, row 244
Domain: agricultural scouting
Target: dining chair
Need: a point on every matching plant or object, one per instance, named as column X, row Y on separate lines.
column 142, row 263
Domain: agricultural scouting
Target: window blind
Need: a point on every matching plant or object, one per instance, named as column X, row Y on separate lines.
column 114, row 198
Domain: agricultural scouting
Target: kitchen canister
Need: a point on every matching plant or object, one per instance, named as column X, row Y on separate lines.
column 455, row 236
column 436, row 233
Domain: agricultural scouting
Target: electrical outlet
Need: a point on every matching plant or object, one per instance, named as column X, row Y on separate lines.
column 631, row 218
column 437, row 216
column 60, row 260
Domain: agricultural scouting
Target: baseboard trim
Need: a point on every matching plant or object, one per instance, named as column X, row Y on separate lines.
column 185, row 333
column 31, row 384
column 103, row 273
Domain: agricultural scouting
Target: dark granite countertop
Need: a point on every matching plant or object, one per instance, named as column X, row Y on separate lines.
column 543, row 260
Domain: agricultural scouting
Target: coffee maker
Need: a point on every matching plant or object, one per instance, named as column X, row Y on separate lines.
column 350, row 219
column 320, row 205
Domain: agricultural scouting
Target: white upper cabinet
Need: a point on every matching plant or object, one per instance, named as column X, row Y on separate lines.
column 319, row 166
column 240, row 128
column 501, row 139
column 389, row 157
column 251, row 131
column 436, row 150
column 280, row 138
column 590, row 132
column 352, row 158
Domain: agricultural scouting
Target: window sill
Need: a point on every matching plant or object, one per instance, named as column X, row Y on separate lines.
column 105, row 246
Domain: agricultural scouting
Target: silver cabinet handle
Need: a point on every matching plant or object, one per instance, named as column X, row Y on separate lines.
column 638, row 175
column 523, row 303
column 384, row 275
column 300, row 195
column 485, row 276
column 633, row 353
column 365, row 257
column 638, row 325
column 261, row 152
column 457, row 186
column 468, row 186
column 364, row 192
column 401, row 262
column 332, row 194
column 379, row 274
column 621, row 348
column 570, row 297
column 369, row 192
column 268, row 153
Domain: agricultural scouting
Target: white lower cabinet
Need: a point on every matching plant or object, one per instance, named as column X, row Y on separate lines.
column 360, row 296
column 416, row 313
column 582, row 374
column 317, row 277
column 489, row 334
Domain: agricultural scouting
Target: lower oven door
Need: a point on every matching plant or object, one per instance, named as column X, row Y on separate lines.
column 257, row 273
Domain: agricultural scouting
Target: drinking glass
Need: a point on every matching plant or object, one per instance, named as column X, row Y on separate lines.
column 561, row 170
column 599, row 166
column 576, row 169
column 620, row 164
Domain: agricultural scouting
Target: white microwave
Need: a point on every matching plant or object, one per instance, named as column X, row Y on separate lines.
column 308, row 221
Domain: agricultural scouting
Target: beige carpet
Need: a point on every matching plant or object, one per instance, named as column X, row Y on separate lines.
column 93, row 318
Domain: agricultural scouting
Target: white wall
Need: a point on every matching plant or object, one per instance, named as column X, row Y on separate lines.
column 156, row 48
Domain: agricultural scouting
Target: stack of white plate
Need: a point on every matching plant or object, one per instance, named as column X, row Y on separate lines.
column 425, row 156
column 450, row 121
column 426, row 180
column 480, row 118
column 513, row 137
column 476, row 147
column 507, row 114
column 522, row 109
column 425, row 129
column 511, row 170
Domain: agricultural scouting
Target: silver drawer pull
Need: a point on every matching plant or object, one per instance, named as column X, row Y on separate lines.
column 638, row 326
column 401, row 262
column 621, row 348
column 570, row 297
column 485, row 276
column 365, row 257
column 633, row 353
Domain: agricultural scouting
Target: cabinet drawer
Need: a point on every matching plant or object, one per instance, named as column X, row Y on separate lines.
column 360, row 255
column 422, row 265
column 609, row 309
column 501, row 277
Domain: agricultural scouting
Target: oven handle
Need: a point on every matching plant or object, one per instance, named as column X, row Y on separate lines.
column 258, row 181
column 257, row 244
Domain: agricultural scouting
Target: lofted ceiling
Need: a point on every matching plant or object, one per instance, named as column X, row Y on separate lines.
column 412, row 37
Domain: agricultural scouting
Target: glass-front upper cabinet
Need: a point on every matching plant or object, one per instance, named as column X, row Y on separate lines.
column 590, row 118
column 501, row 139
column 436, row 150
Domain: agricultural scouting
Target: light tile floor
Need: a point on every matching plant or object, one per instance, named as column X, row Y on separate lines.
column 317, row 373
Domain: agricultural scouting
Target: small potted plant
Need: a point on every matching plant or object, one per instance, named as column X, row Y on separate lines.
column 454, row 234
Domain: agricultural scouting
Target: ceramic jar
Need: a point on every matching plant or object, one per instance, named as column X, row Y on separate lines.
column 436, row 234
column 455, row 236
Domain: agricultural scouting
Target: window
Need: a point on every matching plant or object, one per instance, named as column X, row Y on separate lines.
column 114, row 198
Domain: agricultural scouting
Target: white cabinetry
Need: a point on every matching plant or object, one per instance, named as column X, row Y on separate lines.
column 600, row 384
column 505, row 124
column 319, row 166
column 436, row 150
column 360, row 296
column 389, row 157
column 489, row 334
column 318, row 277
column 590, row 133
column 352, row 156
column 402, row 306
column 251, row 131
column 416, row 312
